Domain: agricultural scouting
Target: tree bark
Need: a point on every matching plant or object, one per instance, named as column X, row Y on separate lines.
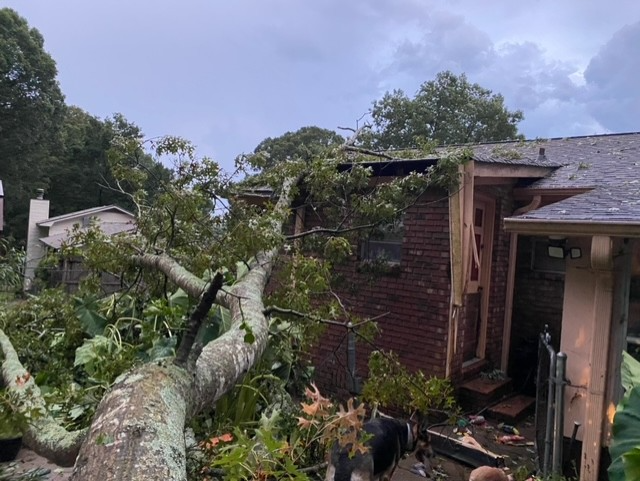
column 45, row 436
column 138, row 429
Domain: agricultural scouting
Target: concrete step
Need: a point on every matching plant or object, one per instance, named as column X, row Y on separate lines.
column 513, row 409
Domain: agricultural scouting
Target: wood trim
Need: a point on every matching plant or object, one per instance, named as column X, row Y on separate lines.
column 483, row 169
column 485, row 270
column 528, row 192
column 459, row 217
column 575, row 228
column 494, row 181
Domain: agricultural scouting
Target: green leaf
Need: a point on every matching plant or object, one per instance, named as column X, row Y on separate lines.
column 76, row 411
column 179, row 298
column 630, row 371
column 92, row 321
column 632, row 464
column 626, row 437
column 241, row 269
column 162, row 347
column 89, row 351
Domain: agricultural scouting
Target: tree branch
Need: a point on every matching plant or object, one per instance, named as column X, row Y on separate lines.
column 183, row 278
column 271, row 309
column 281, row 310
column 322, row 230
column 45, row 436
column 195, row 320
column 139, row 424
column 374, row 153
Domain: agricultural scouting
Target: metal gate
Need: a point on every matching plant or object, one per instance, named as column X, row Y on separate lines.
column 549, row 417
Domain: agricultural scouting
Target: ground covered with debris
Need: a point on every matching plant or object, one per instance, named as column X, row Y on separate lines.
column 488, row 439
column 517, row 456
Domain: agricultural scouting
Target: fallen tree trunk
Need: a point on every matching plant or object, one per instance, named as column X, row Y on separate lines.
column 138, row 430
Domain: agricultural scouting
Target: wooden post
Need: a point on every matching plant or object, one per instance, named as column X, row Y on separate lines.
column 602, row 265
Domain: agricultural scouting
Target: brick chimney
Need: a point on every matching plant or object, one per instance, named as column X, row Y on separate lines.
column 36, row 251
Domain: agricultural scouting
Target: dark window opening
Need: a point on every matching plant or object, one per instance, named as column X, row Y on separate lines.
column 384, row 244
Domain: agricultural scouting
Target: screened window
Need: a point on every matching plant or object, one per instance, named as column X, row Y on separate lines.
column 384, row 244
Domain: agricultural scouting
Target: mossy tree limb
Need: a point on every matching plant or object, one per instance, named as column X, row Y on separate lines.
column 45, row 436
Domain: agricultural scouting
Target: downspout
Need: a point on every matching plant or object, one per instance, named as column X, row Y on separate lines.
column 511, row 278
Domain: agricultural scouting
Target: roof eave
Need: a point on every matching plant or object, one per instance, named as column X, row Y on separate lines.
column 484, row 168
column 82, row 213
column 572, row 227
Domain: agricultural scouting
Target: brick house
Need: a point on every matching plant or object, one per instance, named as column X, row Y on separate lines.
column 540, row 233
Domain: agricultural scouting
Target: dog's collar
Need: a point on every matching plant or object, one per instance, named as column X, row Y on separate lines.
column 411, row 443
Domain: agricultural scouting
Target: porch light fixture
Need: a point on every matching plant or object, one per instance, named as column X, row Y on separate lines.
column 557, row 249
column 555, row 252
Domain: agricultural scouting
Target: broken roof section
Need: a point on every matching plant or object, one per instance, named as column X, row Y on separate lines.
column 593, row 181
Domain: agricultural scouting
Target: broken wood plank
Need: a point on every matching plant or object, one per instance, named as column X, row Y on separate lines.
column 472, row 454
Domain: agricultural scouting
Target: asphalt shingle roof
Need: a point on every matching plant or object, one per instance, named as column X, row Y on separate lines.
column 608, row 164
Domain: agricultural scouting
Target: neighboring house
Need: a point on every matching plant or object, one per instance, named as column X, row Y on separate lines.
column 51, row 233
column 540, row 232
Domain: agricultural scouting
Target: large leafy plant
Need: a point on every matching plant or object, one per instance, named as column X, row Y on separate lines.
column 11, row 262
column 277, row 450
column 625, row 448
column 391, row 385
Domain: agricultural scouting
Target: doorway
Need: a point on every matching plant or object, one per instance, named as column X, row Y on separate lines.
column 477, row 292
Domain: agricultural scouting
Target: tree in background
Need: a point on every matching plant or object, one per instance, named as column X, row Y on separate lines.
column 31, row 110
column 305, row 144
column 83, row 162
column 45, row 144
column 447, row 110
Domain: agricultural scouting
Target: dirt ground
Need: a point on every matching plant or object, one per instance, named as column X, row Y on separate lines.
column 34, row 467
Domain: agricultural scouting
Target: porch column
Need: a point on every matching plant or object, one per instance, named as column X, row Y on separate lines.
column 602, row 267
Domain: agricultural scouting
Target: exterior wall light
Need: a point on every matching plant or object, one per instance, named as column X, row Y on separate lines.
column 557, row 249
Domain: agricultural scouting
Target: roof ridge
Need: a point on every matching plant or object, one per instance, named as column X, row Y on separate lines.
column 84, row 212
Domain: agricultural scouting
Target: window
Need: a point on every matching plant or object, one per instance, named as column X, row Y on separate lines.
column 384, row 244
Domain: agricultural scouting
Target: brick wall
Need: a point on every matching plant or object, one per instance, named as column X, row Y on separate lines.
column 537, row 301
column 412, row 298
column 498, row 287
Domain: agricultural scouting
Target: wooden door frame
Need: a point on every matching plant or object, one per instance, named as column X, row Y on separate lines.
column 484, row 280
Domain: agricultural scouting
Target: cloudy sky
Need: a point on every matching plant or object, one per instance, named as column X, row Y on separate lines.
column 227, row 74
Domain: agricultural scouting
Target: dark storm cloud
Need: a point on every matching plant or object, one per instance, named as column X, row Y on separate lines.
column 229, row 74
column 612, row 93
column 445, row 42
column 519, row 71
